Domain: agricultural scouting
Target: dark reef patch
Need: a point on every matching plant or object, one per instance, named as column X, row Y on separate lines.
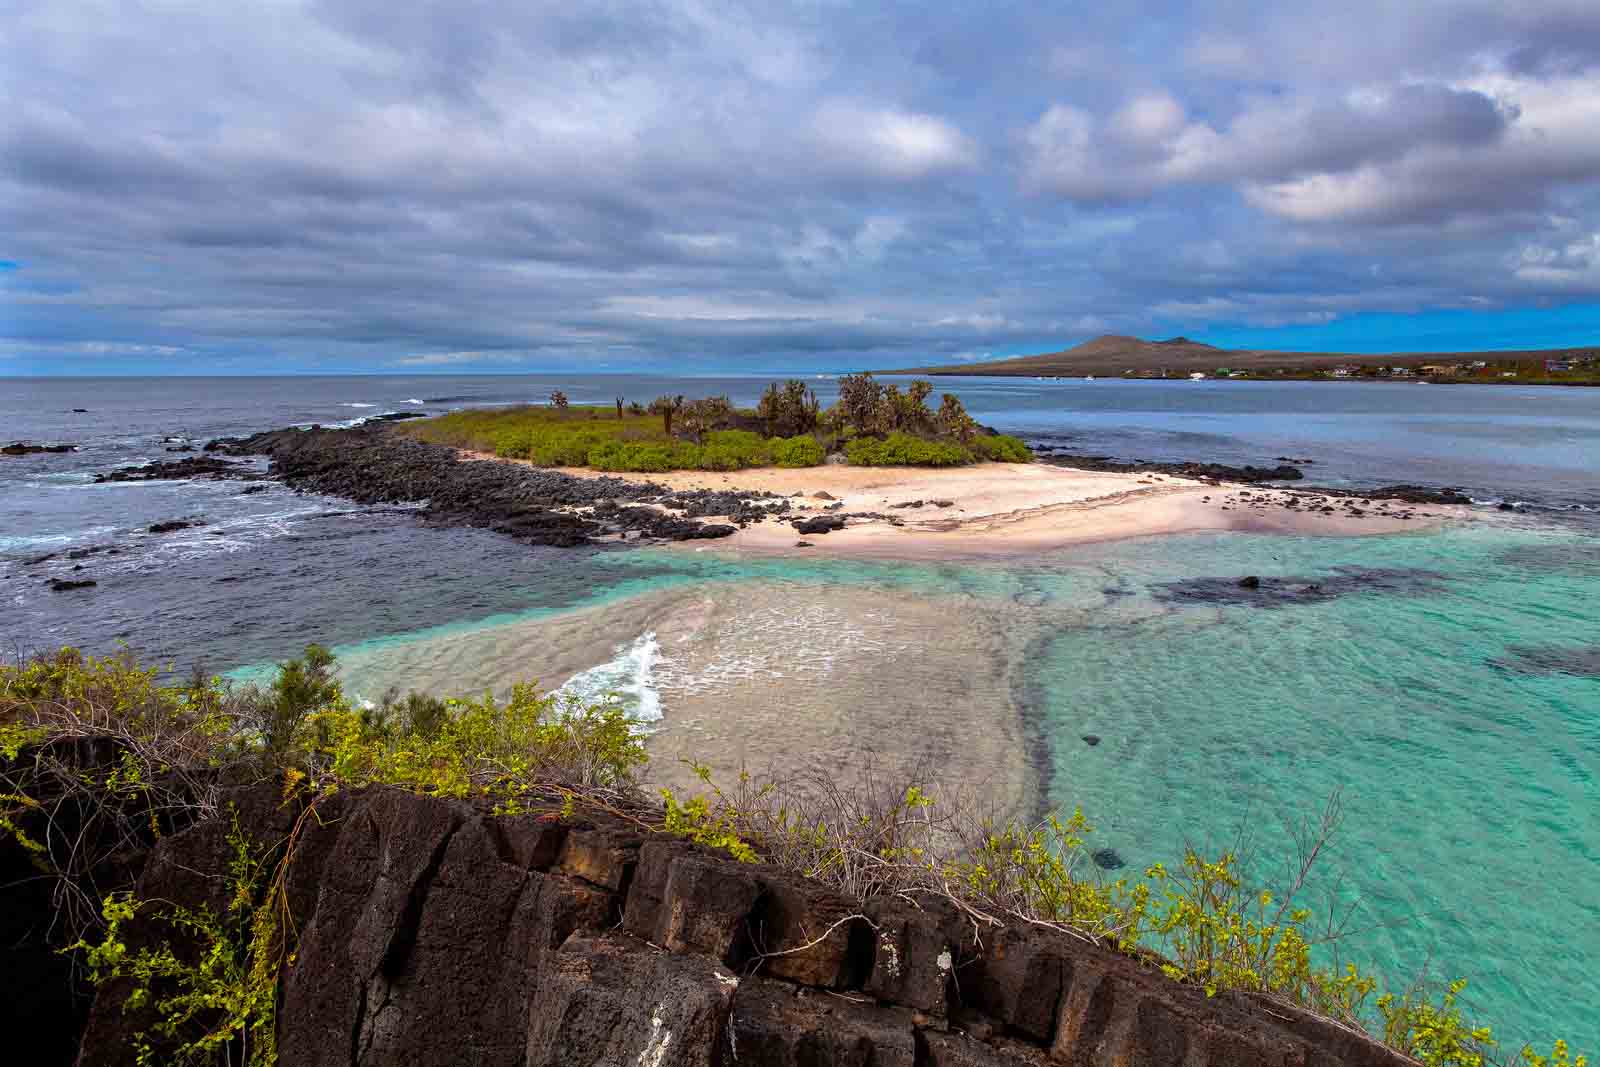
column 1569, row 557
column 1107, row 859
column 1282, row 592
column 1582, row 661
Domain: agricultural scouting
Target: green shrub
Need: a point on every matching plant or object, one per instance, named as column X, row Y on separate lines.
column 644, row 456
column 801, row 451
column 514, row 443
column 901, row 449
column 1000, row 448
column 215, row 1000
column 1035, row 871
column 481, row 745
column 1434, row 1035
column 301, row 686
column 565, row 447
column 731, row 450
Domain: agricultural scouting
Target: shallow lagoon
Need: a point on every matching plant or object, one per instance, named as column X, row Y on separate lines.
column 1384, row 668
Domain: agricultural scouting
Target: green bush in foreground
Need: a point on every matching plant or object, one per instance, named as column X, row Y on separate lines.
column 221, row 1007
column 1199, row 923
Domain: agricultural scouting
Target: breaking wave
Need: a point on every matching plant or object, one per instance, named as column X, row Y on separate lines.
column 628, row 676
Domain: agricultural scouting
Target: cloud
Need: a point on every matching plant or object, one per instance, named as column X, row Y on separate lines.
column 455, row 184
column 1553, row 143
column 1150, row 142
column 889, row 143
column 1574, row 266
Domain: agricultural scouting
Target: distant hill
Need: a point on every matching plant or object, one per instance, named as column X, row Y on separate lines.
column 1114, row 354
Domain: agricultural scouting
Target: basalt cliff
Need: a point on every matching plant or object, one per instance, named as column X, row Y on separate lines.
column 431, row 932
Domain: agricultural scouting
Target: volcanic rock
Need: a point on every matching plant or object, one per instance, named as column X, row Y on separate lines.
column 23, row 448
column 820, row 524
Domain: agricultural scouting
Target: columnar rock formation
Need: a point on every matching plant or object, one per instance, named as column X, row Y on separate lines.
column 432, row 933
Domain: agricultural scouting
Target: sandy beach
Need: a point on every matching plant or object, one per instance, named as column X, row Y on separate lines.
column 1011, row 509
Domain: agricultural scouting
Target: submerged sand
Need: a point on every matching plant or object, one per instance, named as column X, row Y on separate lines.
column 779, row 678
column 790, row 677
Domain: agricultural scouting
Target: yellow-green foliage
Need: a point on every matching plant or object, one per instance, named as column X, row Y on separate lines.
column 480, row 428
column 697, row 821
column 708, row 820
column 1435, row 1034
column 12, row 806
column 480, row 746
column 1221, row 935
column 901, row 449
column 1036, row 871
column 216, row 998
column 1560, row 1056
column 75, row 694
column 592, row 437
column 209, row 989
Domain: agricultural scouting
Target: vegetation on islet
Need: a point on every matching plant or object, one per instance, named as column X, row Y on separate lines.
column 872, row 424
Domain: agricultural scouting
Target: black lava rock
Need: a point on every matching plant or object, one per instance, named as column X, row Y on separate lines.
column 23, row 448
column 820, row 525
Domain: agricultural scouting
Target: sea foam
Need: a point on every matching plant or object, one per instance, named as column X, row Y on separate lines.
column 629, row 676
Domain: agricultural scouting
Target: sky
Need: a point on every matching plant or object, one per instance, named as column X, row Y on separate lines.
column 466, row 185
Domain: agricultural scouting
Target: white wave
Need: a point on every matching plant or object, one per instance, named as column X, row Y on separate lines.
column 23, row 542
column 355, row 405
column 1530, row 505
column 629, row 676
column 360, row 420
column 411, row 400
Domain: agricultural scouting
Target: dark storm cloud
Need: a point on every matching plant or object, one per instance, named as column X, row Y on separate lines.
column 456, row 183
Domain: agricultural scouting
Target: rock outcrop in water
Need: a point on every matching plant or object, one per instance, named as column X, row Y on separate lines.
column 431, row 933
column 23, row 448
column 1214, row 471
column 371, row 465
column 203, row 467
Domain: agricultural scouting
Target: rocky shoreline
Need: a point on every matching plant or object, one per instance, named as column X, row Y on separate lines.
column 371, row 465
column 1218, row 473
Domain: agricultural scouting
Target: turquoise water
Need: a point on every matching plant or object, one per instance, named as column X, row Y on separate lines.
column 1471, row 840
column 1469, row 773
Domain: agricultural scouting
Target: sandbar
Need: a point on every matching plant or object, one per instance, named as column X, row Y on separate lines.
column 1018, row 509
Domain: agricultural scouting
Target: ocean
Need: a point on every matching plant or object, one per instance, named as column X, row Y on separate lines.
column 1446, row 683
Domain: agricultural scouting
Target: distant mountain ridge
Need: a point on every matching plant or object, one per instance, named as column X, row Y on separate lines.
column 1121, row 354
